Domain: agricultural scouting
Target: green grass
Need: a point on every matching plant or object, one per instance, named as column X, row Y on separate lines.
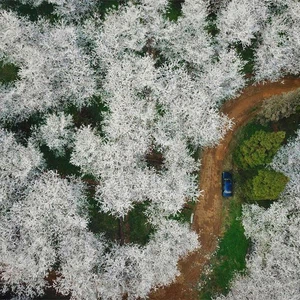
column 102, row 222
column 33, row 13
column 8, row 72
column 139, row 228
column 89, row 115
column 61, row 164
column 174, row 10
column 247, row 54
column 105, row 6
column 211, row 26
column 184, row 216
column 229, row 259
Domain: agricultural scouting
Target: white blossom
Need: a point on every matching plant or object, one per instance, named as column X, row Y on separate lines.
column 57, row 132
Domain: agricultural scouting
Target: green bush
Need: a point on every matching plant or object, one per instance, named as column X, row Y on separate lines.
column 266, row 185
column 259, row 149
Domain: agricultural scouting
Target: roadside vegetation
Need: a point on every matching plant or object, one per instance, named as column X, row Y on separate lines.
column 251, row 151
column 229, row 257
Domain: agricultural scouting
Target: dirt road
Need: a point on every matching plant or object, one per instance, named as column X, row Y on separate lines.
column 208, row 212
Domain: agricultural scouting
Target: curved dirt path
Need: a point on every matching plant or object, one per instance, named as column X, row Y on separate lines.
column 208, row 212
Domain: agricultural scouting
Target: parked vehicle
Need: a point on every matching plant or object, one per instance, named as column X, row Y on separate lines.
column 226, row 184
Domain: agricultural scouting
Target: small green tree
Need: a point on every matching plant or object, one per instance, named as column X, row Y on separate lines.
column 266, row 185
column 259, row 149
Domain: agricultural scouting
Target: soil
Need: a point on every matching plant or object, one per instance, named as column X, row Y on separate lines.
column 208, row 213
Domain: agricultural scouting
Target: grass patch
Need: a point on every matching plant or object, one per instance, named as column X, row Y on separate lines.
column 33, row 13
column 8, row 72
column 229, row 258
column 174, row 10
column 105, row 6
column 184, row 216
column 89, row 115
column 211, row 26
column 139, row 228
column 102, row 222
column 247, row 54
column 60, row 164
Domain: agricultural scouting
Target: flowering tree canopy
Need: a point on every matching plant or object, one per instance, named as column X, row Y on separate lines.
column 157, row 85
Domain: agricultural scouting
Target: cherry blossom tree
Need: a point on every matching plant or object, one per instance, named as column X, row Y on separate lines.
column 134, row 270
column 53, row 70
column 240, row 21
column 186, row 109
column 287, row 159
column 69, row 9
column 57, row 132
column 209, row 59
column 278, row 53
column 132, row 28
column 51, row 211
column 17, row 165
column 17, row 161
column 223, row 78
column 80, row 254
column 187, row 40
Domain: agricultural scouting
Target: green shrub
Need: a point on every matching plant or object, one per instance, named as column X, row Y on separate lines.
column 266, row 185
column 259, row 149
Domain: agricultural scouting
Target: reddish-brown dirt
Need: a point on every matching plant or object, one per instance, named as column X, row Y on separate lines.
column 208, row 212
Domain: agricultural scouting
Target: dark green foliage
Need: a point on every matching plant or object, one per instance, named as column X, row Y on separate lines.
column 61, row 164
column 8, row 72
column 249, row 129
column 211, row 26
column 174, row 10
column 229, row 259
column 102, row 222
column 259, row 149
column 89, row 115
column 139, row 228
column 289, row 125
column 266, row 185
column 33, row 13
column 50, row 294
column 105, row 6
column 184, row 216
column 247, row 54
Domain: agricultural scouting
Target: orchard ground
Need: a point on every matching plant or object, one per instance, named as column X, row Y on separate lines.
column 211, row 208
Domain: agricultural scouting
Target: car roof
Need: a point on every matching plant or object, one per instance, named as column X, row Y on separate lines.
column 226, row 174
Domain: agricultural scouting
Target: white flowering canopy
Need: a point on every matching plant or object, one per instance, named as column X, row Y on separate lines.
column 53, row 71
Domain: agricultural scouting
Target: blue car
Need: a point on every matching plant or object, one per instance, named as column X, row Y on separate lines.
column 226, row 184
